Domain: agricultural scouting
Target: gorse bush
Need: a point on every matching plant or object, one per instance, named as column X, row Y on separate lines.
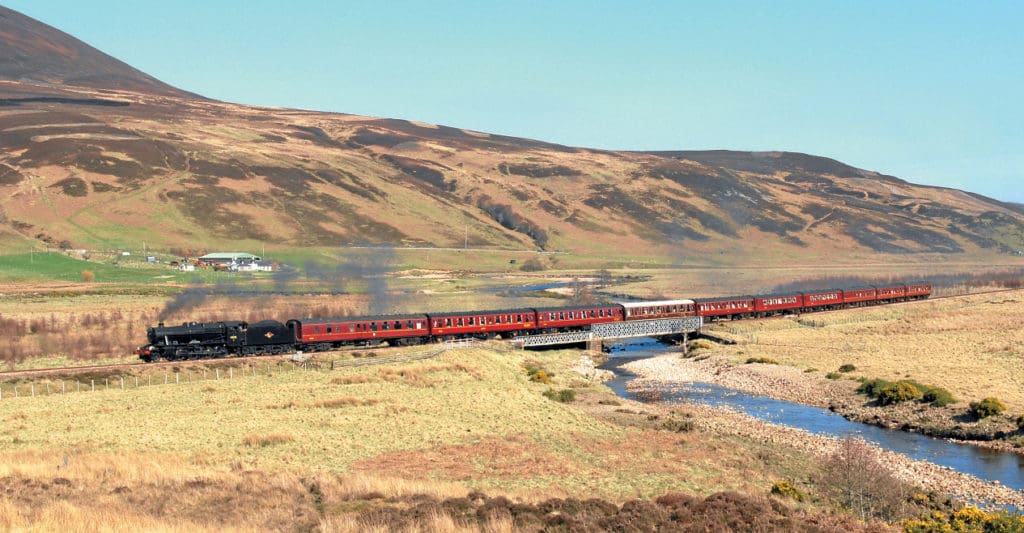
column 564, row 395
column 901, row 391
column 938, row 397
column 847, row 368
column 968, row 519
column 88, row 276
column 988, row 407
column 787, row 489
column 1020, row 422
column 890, row 393
column 833, row 375
column 538, row 374
column 871, row 387
column 762, row 360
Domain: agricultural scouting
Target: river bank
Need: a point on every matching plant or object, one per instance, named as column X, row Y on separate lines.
column 664, row 374
column 791, row 384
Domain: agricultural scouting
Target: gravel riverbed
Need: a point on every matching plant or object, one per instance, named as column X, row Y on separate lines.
column 792, row 384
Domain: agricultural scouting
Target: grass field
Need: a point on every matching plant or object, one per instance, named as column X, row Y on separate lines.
column 971, row 345
column 468, row 419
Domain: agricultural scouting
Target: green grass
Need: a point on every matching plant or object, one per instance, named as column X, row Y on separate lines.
column 57, row 266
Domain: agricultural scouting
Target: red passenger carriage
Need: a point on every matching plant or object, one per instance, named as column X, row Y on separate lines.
column 823, row 300
column 576, row 317
column 482, row 323
column 891, row 293
column 919, row 289
column 325, row 333
column 772, row 304
column 860, row 295
column 732, row 307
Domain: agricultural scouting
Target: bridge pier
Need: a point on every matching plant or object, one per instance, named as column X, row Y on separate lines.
column 595, row 345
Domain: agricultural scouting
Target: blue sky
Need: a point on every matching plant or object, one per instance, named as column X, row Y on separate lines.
column 927, row 91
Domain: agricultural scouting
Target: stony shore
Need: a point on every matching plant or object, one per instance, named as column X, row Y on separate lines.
column 791, row 384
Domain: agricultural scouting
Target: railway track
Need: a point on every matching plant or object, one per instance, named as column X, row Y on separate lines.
column 124, row 367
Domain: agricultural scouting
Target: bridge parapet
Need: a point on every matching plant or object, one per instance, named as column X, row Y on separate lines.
column 616, row 330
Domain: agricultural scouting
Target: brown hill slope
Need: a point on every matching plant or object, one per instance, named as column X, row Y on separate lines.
column 113, row 168
column 33, row 52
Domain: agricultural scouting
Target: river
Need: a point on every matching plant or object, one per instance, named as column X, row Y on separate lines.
column 991, row 465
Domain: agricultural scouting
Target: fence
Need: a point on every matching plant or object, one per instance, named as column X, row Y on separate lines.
column 192, row 375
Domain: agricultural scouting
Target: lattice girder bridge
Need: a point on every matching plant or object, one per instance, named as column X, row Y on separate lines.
column 616, row 330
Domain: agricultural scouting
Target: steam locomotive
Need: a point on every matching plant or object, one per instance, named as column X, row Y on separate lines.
column 211, row 340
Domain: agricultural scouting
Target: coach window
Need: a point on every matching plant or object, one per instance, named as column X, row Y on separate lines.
column 330, row 329
column 460, row 322
column 316, row 329
column 470, row 321
column 373, row 326
column 384, row 326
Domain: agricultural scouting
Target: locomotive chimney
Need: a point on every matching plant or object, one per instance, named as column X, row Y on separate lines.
column 160, row 325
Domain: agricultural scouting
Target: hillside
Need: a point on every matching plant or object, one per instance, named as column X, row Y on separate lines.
column 99, row 155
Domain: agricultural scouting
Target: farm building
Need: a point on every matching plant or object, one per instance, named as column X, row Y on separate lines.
column 253, row 266
column 228, row 258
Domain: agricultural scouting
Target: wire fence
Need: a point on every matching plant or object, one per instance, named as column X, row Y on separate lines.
column 178, row 376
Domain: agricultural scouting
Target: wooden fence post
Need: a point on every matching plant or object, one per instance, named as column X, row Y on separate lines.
column 218, row 373
column 122, row 382
column 177, row 378
column 62, row 387
column 33, row 389
column 231, row 372
column 93, row 382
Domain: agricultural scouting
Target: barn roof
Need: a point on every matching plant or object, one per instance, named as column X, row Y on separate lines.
column 227, row 256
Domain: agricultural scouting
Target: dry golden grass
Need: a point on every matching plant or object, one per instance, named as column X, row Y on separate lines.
column 106, row 492
column 350, row 380
column 270, row 439
column 471, row 414
column 972, row 345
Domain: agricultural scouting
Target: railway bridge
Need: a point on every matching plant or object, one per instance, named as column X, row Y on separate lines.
column 616, row 330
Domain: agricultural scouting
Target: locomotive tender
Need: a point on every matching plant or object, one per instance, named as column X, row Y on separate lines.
column 212, row 340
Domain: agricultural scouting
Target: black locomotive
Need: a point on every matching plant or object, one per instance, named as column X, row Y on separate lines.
column 210, row 340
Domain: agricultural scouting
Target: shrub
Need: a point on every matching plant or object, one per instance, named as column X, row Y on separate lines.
column 987, row 407
column 564, row 395
column 939, row 397
column 1020, row 422
column 901, row 391
column 857, row 481
column 678, row 426
column 787, row 489
column 872, row 387
column 88, row 276
column 537, row 374
column 762, row 360
column 833, row 375
column 532, row 265
column 847, row 368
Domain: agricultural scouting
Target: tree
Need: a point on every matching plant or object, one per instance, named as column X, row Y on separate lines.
column 858, row 482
